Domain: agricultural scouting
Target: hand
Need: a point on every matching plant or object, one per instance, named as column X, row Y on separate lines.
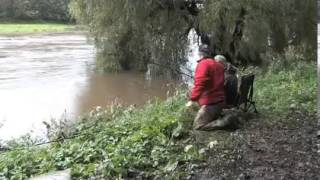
column 189, row 104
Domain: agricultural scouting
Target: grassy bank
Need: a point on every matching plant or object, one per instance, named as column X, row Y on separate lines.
column 155, row 141
column 21, row 28
column 116, row 142
column 280, row 89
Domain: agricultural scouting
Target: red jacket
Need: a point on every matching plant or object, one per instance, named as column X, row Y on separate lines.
column 209, row 82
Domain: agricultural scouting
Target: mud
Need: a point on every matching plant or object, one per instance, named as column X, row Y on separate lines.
column 287, row 148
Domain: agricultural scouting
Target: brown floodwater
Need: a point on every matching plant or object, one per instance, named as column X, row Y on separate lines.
column 44, row 77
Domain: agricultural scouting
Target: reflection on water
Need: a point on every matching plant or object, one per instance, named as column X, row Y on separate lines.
column 43, row 76
column 125, row 88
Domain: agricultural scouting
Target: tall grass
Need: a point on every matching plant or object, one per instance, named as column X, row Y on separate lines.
column 289, row 82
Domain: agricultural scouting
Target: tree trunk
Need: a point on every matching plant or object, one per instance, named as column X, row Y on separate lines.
column 237, row 35
column 278, row 36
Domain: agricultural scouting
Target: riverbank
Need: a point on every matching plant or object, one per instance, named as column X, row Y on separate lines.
column 155, row 141
column 22, row 28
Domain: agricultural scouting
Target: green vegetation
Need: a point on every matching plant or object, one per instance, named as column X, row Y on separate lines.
column 153, row 141
column 30, row 10
column 293, row 88
column 116, row 142
column 119, row 26
column 247, row 28
column 31, row 28
column 288, row 83
column 242, row 30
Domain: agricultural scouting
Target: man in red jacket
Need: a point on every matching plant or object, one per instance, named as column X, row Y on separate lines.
column 208, row 90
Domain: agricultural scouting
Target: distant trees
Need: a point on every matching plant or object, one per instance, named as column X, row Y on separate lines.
column 52, row 10
column 129, row 34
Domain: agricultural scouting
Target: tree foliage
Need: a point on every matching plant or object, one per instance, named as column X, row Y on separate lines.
column 131, row 34
column 243, row 30
column 53, row 10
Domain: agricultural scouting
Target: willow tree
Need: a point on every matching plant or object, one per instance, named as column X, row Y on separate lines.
column 131, row 34
column 245, row 29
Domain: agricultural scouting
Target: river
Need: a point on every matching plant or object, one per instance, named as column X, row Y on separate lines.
column 52, row 76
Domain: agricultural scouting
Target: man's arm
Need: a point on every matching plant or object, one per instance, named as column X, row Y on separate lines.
column 200, row 81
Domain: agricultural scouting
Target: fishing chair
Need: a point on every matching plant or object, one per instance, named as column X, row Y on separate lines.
column 244, row 100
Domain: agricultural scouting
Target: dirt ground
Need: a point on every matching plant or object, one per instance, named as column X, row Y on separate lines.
column 278, row 148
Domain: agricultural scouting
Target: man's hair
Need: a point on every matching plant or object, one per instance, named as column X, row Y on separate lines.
column 221, row 59
column 204, row 50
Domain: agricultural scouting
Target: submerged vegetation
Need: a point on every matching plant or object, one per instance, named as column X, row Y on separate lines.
column 155, row 141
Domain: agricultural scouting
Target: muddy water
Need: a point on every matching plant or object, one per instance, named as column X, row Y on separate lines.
column 47, row 77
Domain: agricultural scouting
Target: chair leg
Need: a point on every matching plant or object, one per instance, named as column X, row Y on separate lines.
column 245, row 107
column 253, row 104
column 255, row 109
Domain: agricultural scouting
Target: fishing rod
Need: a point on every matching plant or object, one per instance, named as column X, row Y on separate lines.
column 172, row 69
column 4, row 150
column 165, row 66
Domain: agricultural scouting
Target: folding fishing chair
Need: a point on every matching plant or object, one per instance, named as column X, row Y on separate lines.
column 244, row 100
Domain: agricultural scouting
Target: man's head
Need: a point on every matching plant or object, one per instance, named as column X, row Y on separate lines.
column 229, row 68
column 221, row 59
column 204, row 50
